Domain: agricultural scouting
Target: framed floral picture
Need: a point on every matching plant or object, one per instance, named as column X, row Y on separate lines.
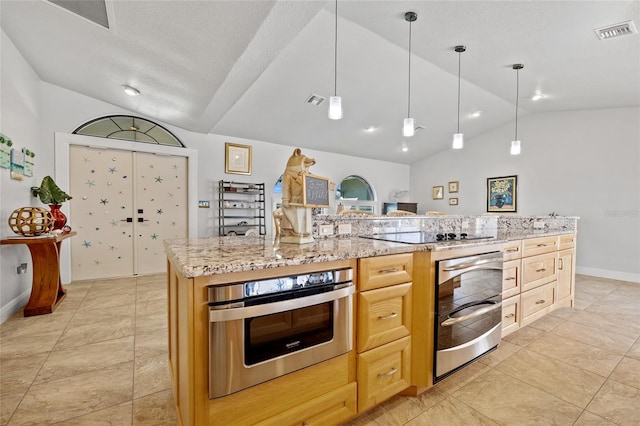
column 437, row 193
column 502, row 193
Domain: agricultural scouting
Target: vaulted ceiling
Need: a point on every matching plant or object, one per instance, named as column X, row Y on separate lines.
column 245, row 68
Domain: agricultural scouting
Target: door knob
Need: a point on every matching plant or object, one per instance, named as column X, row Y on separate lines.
column 141, row 219
column 129, row 219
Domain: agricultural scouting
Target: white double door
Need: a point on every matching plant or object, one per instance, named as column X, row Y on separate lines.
column 124, row 205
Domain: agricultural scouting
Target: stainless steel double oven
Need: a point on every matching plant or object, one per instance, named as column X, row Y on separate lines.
column 261, row 330
column 468, row 310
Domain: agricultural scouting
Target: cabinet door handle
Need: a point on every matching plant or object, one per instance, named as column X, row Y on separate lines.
column 510, row 278
column 561, row 266
column 386, row 317
column 388, row 270
column 388, row 373
column 540, row 302
column 542, row 245
column 541, row 270
column 511, row 250
column 510, row 315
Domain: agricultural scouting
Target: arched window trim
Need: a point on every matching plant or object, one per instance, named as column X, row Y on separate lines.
column 133, row 118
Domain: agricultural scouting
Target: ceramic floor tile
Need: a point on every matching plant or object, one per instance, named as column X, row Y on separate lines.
column 564, row 381
column 86, row 334
column 606, row 323
column 152, row 322
column 74, row 396
column 157, row 279
column 524, row 336
column 118, row 415
column 590, row 419
column 451, row 412
column 30, row 326
column 634, row 351
column 155, row 410
column 8, row 405
column 617, row 403
column 82, row 359
column 17, row 374
column 611, row 341
column 628, row 373
column 462, row 377
column 578, row 354
column 504, row 351
column 26, row 346
column 510, row 401
column 152, row 344
column 99, row 315
column 151, row 375
column 546, row 323
column 151, row 307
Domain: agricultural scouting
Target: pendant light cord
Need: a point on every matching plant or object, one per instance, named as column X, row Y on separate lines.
column 459, row 60
column 409, row 88
column 335, row 56
column 517, row 97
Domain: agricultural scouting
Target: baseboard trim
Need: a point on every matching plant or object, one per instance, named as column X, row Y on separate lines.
column 605, row 273
column 14, row 306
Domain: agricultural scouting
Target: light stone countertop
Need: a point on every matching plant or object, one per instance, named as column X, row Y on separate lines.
column 222, row 255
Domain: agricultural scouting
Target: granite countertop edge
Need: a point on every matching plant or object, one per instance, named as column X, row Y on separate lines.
column 223, row 255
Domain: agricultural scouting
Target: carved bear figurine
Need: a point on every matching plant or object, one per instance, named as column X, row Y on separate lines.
column 296, row 220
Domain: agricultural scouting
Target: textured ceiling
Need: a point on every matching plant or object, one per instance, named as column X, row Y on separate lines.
column 245, row 68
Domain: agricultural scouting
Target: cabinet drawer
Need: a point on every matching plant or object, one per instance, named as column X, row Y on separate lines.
column 512, row 250
column 383, row 372
column 511, row 278
column 535, row 246
column 384, row 315
column 567, row 241
column 383, row 271
column 537, row 302
column 332, row 408
column 510, row 315
column 538, row 270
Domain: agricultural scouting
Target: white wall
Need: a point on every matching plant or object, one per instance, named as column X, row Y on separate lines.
column 20, row 114
column 575, row 163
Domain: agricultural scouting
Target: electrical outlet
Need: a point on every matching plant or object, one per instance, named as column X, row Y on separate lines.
column 21, row 268
column 344, row 229
column 538, row 225
column 326, row 229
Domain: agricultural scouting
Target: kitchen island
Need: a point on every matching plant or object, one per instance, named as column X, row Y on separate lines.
column 383, row 362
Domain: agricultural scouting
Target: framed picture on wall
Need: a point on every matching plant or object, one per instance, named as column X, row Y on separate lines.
column 502, row 194
column 237, row 159
column 453, row 186
column 437, row 192
column 453, row 201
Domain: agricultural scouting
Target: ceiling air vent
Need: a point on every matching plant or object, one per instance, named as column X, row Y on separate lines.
column 315, row 99
column 617, row 30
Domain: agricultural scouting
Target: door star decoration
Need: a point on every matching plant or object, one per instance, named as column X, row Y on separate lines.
column 159, row 179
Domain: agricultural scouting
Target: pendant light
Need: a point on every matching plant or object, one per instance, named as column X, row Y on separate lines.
column 515, row 143
column 409, row 128
column 458, row 138
column 335, row 101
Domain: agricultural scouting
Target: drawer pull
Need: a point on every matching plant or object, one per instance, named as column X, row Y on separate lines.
column 540, row 302
column 388, row 373
column 388, row 270
column 510, row 315
column 561, row 266
column 541, row 270
column 386, row 317
column 510, row 278
column 511, row 250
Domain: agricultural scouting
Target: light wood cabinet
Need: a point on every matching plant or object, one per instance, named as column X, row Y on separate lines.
column 538, row 276
column 383, row 327
column 383, row 372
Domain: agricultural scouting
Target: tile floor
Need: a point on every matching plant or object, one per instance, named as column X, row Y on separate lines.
column 101, row 359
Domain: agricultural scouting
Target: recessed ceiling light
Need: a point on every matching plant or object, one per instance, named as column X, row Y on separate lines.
column 475, row 114
column 370, row 129
column 131, row 91
column 405, row 148
column 537, row 96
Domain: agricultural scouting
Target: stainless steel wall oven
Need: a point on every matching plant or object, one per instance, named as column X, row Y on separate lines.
column 264, row 329
column 468, row 314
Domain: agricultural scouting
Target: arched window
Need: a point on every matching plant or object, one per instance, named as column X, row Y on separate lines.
column 129, row 128
column 355, row 193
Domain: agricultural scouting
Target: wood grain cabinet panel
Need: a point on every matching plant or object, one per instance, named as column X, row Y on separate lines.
column 510, row 315
column 567, row 241
column 384, row 271
column 565, row 274
column 539, row 245
column 384, row 315
column 512, row 250
column 383, row 372
column 511, row 278
column 538, row 270
column 537, row 302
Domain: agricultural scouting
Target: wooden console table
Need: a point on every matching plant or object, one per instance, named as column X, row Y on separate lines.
column 46, row 291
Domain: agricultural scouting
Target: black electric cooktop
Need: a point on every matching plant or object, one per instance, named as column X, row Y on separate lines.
column 426, row 237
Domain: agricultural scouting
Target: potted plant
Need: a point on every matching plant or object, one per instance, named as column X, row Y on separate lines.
column 51, row 194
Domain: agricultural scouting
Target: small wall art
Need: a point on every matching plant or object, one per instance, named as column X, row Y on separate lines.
column 17, row 164
column 453, row 186
column 437, row 192
column 5, row 151
column 237, row 159
column 502, row 194
column 453, row 201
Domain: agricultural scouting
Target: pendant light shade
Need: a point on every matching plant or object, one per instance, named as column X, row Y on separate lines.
column 515, row 143
column 409, row 128
column 335, row 101
column 458, row 138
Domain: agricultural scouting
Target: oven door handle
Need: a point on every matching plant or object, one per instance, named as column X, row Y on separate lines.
column 276, row 307
column 451, row 321
column 483, row 262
